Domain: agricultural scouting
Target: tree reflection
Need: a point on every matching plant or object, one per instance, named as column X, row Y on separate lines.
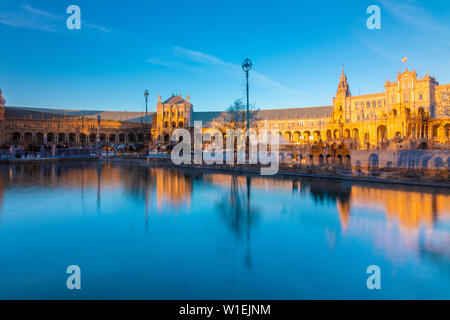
column 236, row 209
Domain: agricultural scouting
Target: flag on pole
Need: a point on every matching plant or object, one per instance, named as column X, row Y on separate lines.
column 405, row 59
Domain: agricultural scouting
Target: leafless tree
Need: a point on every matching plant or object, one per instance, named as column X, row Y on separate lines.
column 236, row 116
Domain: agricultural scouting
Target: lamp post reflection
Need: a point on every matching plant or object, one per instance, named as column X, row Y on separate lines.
column 99, row 173
column 238, row 213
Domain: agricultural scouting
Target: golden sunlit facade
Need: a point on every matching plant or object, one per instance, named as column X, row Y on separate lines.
column 410, row 108
column 30, row 126
column 412, row 111
column 173, row 113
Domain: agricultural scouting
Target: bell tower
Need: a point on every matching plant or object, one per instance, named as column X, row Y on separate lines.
column 341, row 103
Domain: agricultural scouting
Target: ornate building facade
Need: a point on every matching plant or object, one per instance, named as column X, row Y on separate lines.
column 32, row 126
column 409, row 108
column 173, row 113
column 412, row 111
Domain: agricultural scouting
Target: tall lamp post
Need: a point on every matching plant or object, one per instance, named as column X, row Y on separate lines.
column 247, row 66
column 99, row 142
column 146, row 102
column 146, row 115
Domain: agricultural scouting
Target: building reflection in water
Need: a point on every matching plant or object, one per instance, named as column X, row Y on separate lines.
column 416, row 214
column 415, row 210
column 172, row 187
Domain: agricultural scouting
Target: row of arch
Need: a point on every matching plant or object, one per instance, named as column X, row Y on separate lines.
column 411, row 161
column 73, row 138
column 173, row 124
column 438, row 132
column 298, row 136
column 320, row 159
column 316, row 135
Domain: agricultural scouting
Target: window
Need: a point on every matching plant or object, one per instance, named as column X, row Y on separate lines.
column 420, row 96
column 368, row 104
column 406, row 96
column 445, row 96
column 356, row 106
column 380, row 103
column 374, row 104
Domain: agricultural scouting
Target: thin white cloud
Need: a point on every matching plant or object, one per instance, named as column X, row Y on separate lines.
column 18, row 20
column 96, row 27
column 382, row 51
column 210, row 60
column 161, row 61
column 29, row 17
column 201, row 57
column 417, row 17
column 419, row 20
column 41, row 12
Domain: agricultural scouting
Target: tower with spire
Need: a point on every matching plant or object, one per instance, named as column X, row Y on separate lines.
column 342, row 102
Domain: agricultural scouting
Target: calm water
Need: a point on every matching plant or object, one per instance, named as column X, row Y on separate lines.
column 171, row 234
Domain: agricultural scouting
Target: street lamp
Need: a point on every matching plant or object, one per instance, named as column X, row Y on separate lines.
column 99, row 143
column 247, row 66
column 146, row 102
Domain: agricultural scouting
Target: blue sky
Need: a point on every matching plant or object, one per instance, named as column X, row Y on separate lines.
column 298, row 49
